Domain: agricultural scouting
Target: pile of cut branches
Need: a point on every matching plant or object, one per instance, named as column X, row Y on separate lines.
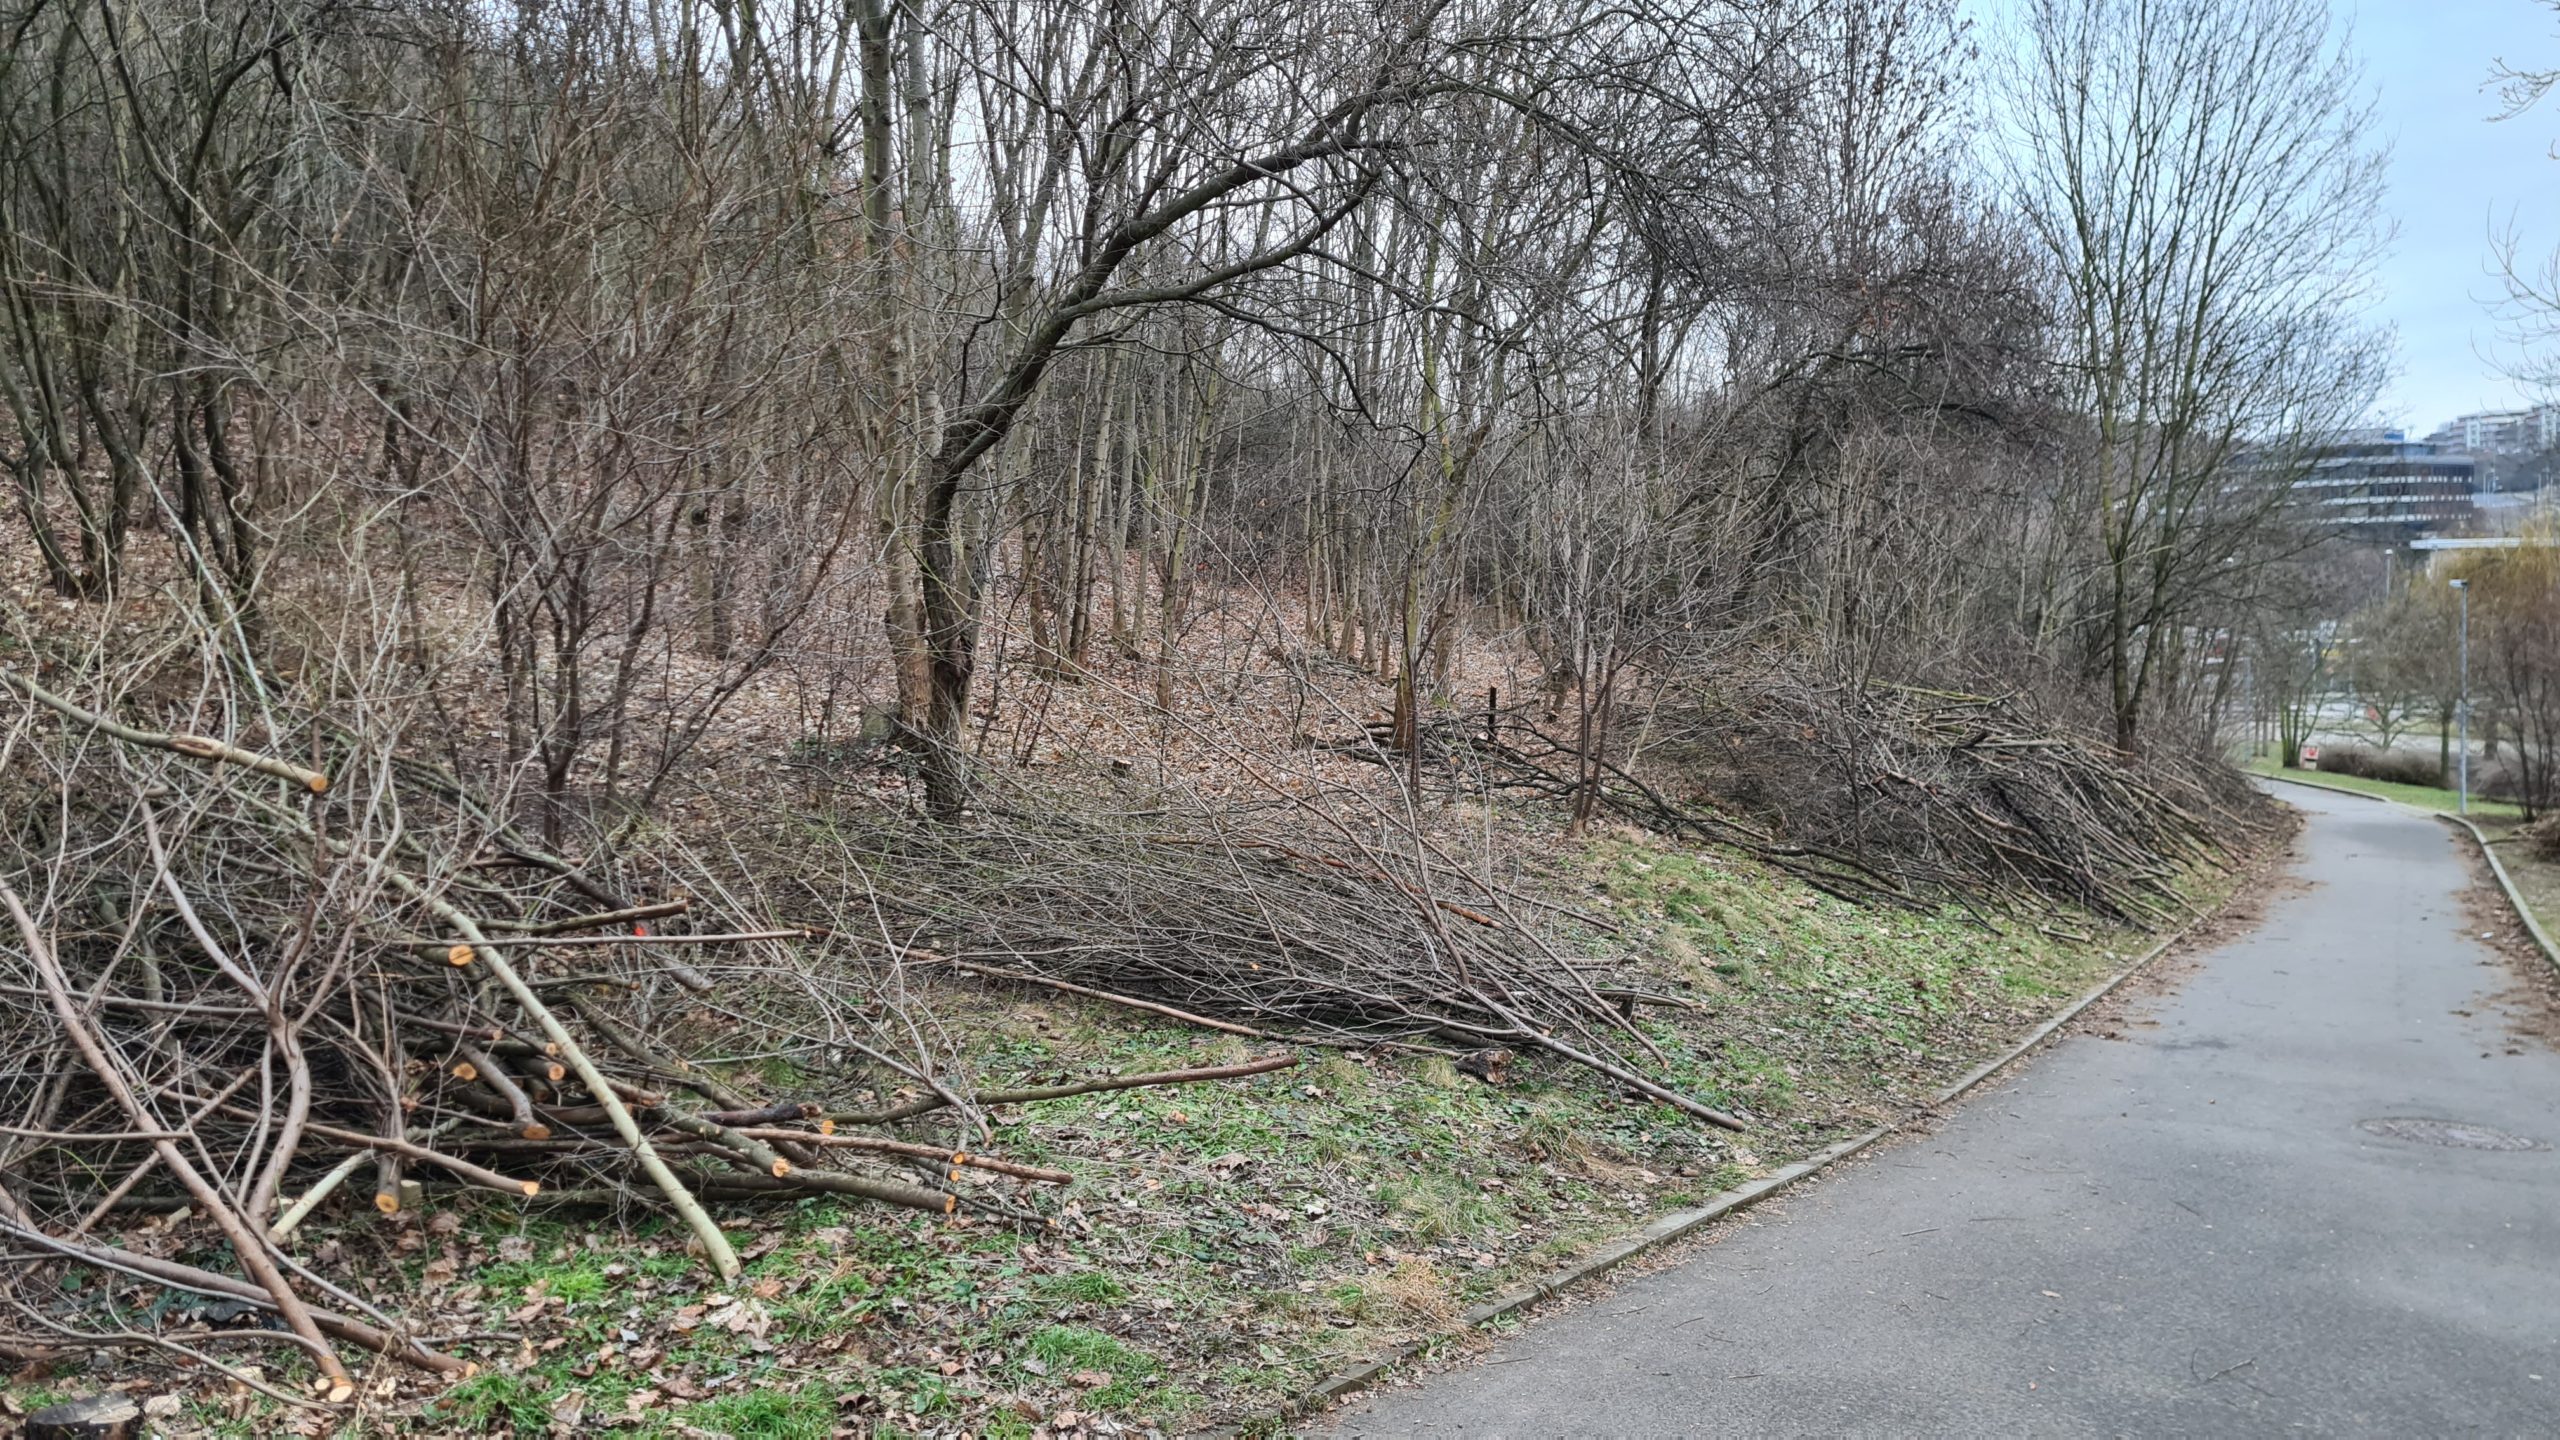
column 1883, row 794
column 1509, row 750
column 238, row 985
column 1974, row 798
column 1265, row 934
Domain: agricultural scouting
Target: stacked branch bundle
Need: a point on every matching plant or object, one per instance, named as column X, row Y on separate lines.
column 1345, row 941
column 1977, row 798
column 1882, row 793
column 240, row 985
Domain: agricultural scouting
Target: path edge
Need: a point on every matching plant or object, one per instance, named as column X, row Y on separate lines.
column 2515, row 898
column 1667, row 1228
column 2506, row 883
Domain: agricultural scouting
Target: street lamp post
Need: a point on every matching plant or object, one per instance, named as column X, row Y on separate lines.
column 2462, row 706
column 2387, row 552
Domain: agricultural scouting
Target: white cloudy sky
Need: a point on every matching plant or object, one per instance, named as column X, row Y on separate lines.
column 2456, row 177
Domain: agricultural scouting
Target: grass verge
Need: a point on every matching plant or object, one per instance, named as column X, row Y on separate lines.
column 2424, row 797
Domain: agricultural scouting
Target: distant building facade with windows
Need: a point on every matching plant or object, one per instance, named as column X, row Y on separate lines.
column 2381, row 485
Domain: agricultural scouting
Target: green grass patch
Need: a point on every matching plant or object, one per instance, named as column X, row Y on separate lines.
column 1082, row 1349
column 1091, row 1287
column 1430, row 1207
column 803, row 1414
column 1069, row 1351
column 492, row 1403
column 2424, row 797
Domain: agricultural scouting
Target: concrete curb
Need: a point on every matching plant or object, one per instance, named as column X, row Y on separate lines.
column 2515, row 897
column 1665, row 1229
column 2506, row 882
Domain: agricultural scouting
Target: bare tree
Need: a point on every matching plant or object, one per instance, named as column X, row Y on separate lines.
column 2199, row 175
column 2515, row 603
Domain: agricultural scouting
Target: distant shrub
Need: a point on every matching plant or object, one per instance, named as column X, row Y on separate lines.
column 2499, row 779
column 2400, row 767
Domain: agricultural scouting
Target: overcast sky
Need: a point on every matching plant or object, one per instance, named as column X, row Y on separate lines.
column 2454, row 176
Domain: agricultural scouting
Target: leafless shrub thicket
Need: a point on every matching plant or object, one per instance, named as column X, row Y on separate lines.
column 640, row 340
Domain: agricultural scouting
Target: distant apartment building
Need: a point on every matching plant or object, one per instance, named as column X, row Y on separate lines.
column 2381, row 485
column 2508, row 431
column 2510, row 449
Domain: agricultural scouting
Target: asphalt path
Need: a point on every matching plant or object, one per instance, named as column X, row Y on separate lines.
column 2196, row 1227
